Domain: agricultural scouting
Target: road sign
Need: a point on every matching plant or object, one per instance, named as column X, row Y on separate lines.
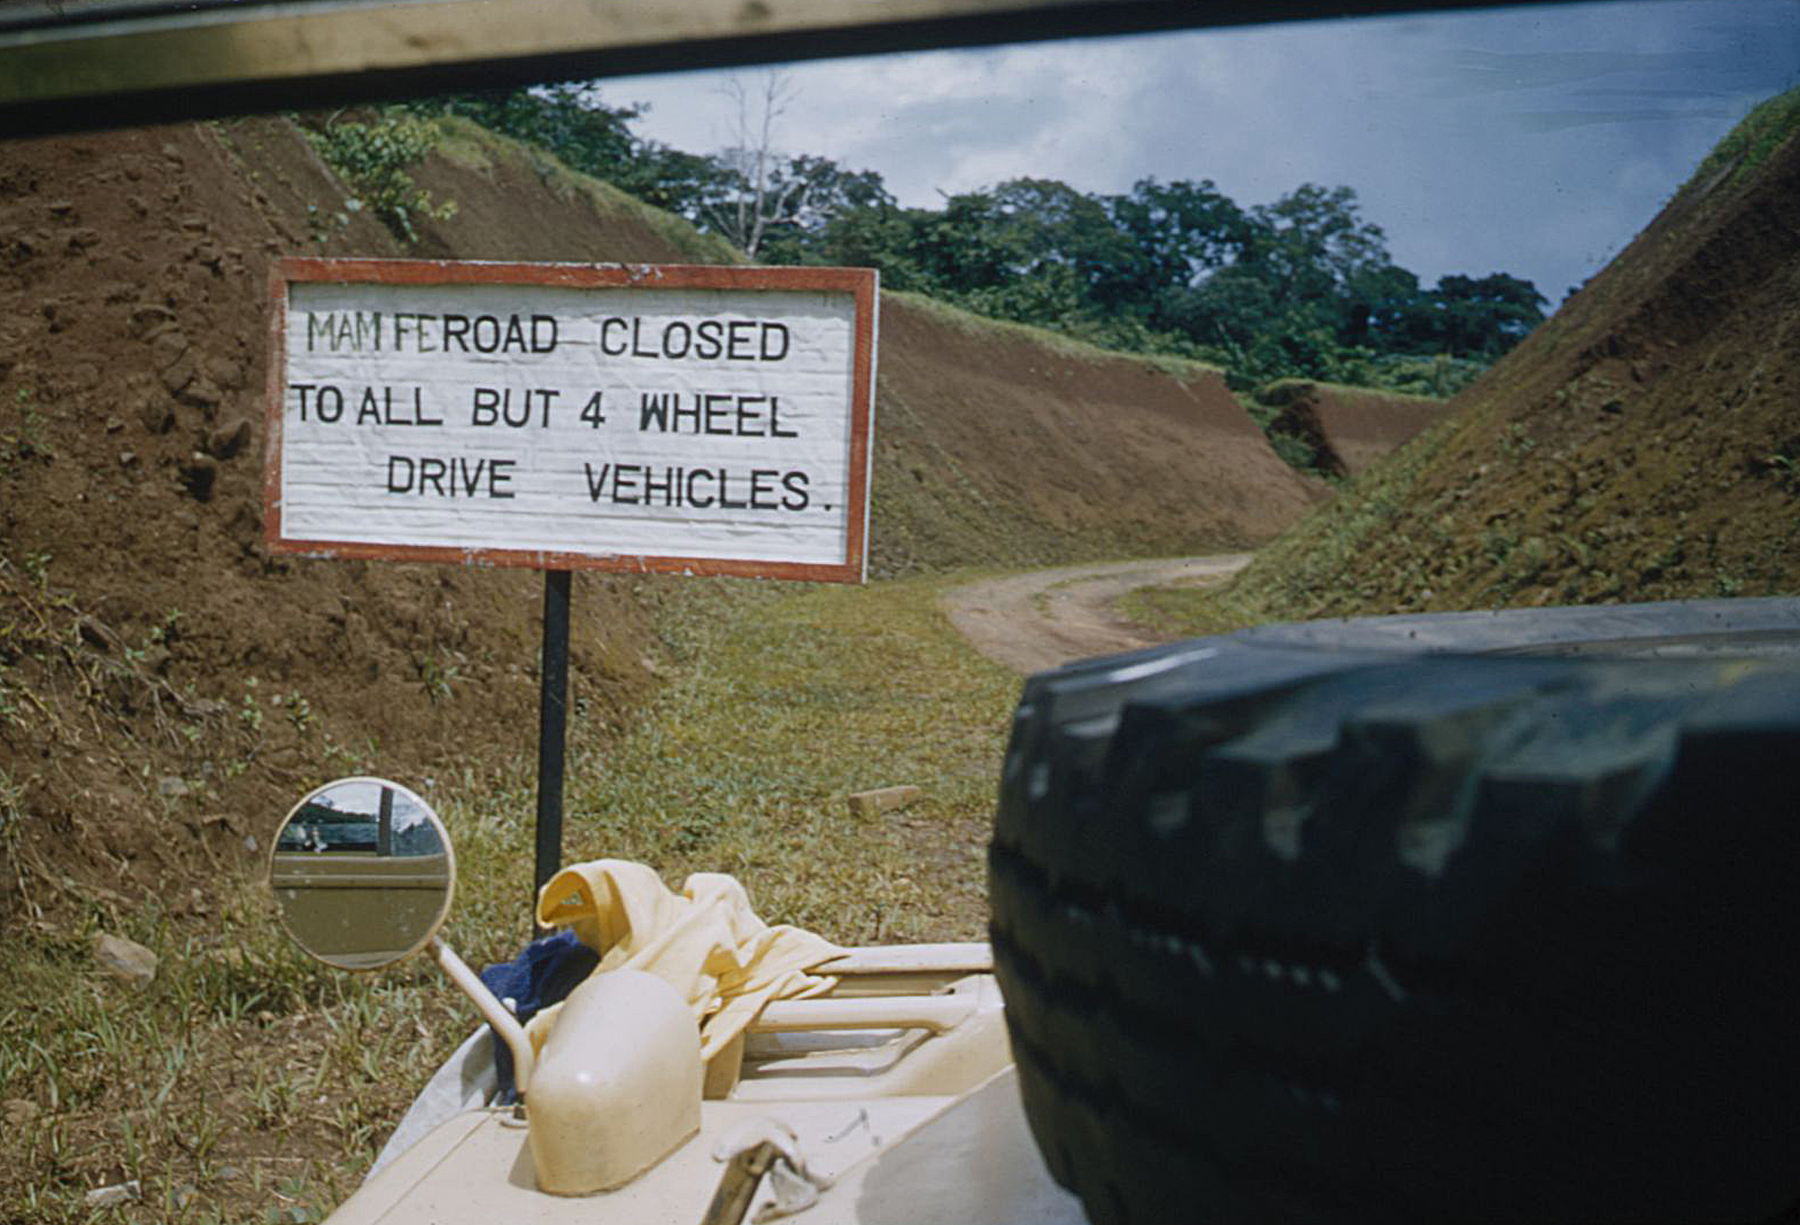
column 706, row 420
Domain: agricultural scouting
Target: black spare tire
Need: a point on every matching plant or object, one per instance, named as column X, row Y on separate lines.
column 1487, row 916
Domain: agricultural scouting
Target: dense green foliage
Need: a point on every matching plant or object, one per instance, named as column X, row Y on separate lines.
column 1302, row 287
column 374, row 156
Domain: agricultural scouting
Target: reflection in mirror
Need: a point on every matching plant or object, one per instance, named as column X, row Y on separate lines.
column 362, row 872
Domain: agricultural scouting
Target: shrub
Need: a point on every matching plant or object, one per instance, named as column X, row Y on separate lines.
column 374, row 159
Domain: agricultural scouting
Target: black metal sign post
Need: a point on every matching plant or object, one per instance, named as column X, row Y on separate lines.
column 553, row 723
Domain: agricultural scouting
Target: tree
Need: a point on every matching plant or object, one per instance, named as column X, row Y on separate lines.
column 691, row 185
column 1303, row 285
column 1072, row 244
column 1486, row 317
column 1298, row 286
column 1385, row 309
column 568, row 119
column 818, row 191
column 759, row 197
column 1181, row 232
column 878, row 235
column 1311, row 246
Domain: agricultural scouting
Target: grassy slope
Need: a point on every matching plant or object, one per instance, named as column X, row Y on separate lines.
column 1006, row 445
column 470, row 156
column 1639, row 445
column 1289, row 412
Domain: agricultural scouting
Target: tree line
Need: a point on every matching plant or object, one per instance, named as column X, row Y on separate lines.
column 1301, row 287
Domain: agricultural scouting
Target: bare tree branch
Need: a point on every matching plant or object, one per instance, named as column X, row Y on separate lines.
column 757, row 202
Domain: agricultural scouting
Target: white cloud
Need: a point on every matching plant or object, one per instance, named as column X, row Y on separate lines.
column 1529, row 140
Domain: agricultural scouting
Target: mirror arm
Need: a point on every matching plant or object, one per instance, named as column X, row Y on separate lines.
column 504, row 1023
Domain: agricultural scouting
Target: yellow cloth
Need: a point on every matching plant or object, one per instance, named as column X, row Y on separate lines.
column 705, row 942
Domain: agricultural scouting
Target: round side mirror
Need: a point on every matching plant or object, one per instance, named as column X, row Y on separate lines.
column 362, row 872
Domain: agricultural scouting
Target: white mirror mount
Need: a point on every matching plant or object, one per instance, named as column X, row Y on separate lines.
column 492, row 1010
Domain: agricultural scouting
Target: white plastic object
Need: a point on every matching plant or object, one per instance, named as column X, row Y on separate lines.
column 492, row 1010
column 617, row 1084
column 936, row 1013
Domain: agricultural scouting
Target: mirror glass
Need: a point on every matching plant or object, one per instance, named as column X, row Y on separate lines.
column 362, row 872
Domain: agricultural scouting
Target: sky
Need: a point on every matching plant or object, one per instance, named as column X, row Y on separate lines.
column 1533, row 140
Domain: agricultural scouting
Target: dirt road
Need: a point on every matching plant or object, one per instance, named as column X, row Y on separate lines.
column 1044, row 618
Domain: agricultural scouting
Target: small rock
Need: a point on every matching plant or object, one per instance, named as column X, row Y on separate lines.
column 113, row 1196
column 250, row 843
column 125, row 959
column 127, row 458
column 200, row 392
column 96, row 635
column 198, row 474
column 207, row 255
column 149, row 320
column 18, row 1111
column 114, row 425
column 156, row 415
column 175, row 377
column 172, row 788
column 883, row 799
column 168, row 347
column 228, row 440
column 225, row 371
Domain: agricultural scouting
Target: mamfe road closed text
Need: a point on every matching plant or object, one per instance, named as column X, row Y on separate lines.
column 713, row 420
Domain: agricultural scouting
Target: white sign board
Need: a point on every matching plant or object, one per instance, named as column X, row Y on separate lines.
column 692, row 419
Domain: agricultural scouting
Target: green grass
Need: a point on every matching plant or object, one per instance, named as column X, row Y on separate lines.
column 467, row 144
column 1757, row 135
column 1187, row 612
column 1323, row 565
column 1056, row 342
column 788, row 700
column 244, row 1079
column 247, row 1083
column 1283, row 392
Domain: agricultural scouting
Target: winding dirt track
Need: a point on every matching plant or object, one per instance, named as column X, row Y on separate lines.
column 1043, row 618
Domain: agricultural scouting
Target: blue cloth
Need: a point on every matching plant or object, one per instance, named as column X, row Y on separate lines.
column 541, row 975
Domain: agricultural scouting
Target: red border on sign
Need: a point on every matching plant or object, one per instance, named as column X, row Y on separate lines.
column 862, row 283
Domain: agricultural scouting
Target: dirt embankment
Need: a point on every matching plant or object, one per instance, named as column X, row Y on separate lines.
column 998, row 446
column 166, row 685
column 1642, row 444
column 1348, row 428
